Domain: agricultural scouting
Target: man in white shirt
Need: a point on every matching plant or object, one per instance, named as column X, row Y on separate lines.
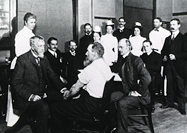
column 92, row 80
column 158, row 35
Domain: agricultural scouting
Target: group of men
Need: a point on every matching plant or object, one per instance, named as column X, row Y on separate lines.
column 43, row 89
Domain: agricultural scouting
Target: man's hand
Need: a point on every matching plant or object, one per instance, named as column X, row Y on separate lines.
column 66, row 94
column 172, row 57
column 134, row 94
column 36, row 98
column 63, row 89
column 165, row 58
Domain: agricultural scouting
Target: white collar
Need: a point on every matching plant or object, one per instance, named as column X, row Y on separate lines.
column 175, row 33
column 26, row 28
column 52, row 52
column 36, row 56
column 149, row 52
column 124, row 56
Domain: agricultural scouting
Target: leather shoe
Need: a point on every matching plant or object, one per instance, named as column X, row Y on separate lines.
column 183, row 112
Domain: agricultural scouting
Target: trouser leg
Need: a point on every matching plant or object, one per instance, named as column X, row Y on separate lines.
column 123, row 105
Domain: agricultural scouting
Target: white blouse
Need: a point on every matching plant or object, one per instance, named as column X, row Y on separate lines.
column 137, row 43
column 110, row 44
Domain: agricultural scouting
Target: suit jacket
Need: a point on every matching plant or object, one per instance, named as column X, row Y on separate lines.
column 153, row 62
column 83, row 44
column 124, row 34
column 178, row 47
column 26, row 81
column 55, row 63
column 135, row 77
column 70, row 67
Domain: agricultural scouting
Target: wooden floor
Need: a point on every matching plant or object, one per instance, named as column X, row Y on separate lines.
column 164, row 121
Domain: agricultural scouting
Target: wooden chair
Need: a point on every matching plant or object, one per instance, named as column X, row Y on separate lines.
column 144, row 112
column 87, row 125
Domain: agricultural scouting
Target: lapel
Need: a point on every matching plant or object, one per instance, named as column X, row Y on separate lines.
column 32, row 59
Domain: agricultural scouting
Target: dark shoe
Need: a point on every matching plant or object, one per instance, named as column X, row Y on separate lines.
column 182, row 111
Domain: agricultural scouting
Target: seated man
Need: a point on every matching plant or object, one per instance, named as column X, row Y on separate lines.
column 54, row 56
column 153, row 62
column 92, row 80
column 31, row 76
column 134, row 91
column 70, row 64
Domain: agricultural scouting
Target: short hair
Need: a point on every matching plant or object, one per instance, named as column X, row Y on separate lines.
column 139, row 27
column 97, row 32
column 121, row 18
column 87, row 24
column 98, row 48
column 35, row 37
column 72, row 41
column 176, row 19
column 128, row 43
column 158, row 19
column 50, row 39
column 29, row 15
column 148, row 41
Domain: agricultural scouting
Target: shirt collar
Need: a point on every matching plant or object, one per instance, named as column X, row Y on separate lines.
column 175, row 33
column 26, row 28
column 72, row 52
column 52, row 52
column 88, row 34
column 149, row 52
column 36, row 56
column 124, row 56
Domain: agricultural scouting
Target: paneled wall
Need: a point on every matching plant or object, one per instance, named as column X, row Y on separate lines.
column 54, row 18
column 141, row 11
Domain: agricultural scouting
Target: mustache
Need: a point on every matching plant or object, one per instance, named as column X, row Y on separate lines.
column 172, row 28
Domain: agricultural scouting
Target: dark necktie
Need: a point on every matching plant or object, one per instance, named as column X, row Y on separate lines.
column 38, row 61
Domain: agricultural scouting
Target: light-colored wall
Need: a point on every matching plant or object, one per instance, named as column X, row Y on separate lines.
column 54, row 18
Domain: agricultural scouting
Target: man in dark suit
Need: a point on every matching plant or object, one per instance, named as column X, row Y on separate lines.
column 85, row 41
column 70, row 64
column 122, row 31
column 31, row 78
column 54, row 56
column 174, row 55
column 134, row 91
column 153, row 62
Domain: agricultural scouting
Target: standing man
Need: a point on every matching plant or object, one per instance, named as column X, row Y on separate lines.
column 158, row 35
column 153, row 62
column 54, row 56
column 31, row 77
column 85, row 41
column 122, row 31
column 174, row 55
column 70, row 63
column 134, row 91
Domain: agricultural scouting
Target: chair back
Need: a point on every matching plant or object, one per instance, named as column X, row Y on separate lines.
column 105, row 100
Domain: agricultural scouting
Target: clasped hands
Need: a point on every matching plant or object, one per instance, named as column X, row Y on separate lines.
column 171, row 57
column 65, row 92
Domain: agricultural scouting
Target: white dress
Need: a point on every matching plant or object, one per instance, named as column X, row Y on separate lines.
column 110, row 44
column 137, row 43
column 22, row 43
